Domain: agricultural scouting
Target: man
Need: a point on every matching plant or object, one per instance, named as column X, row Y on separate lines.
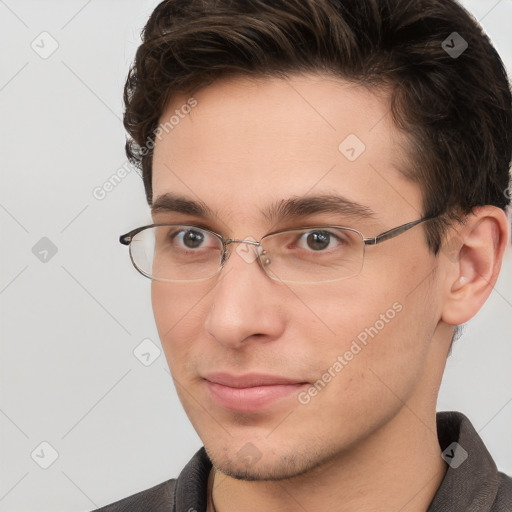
column 328, row 184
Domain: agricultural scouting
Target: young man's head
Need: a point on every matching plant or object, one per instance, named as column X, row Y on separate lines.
column 298, row 118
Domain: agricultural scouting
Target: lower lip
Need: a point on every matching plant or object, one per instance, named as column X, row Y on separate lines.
column 250, row 399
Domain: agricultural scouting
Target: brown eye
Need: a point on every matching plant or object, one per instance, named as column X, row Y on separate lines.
column 192, row 238
column 188, row 237
column 318, row 240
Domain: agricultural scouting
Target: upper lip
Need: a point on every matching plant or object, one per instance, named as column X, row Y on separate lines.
column 249, row 380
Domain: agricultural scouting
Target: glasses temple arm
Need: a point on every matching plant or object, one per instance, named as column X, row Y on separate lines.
column 391, row 233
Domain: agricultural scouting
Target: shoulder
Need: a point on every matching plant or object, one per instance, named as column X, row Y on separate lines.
column 503, row 500
column 472, row 481
column 187, row 492
column 155, row 499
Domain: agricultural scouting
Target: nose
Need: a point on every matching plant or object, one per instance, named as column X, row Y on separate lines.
column 244, row 304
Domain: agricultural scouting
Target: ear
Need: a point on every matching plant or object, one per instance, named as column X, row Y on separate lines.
column 474, row 254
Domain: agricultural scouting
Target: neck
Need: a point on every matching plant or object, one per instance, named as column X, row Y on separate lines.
column 399, row 467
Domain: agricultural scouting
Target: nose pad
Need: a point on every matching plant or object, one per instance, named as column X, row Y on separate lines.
column 265, row 258
column 248, row 249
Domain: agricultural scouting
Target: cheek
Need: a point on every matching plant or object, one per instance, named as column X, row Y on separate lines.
column 345, row 311
column 374, row 332
column 365, row 373
column 179, row 315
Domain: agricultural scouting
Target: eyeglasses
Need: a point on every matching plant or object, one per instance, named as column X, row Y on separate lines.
column 316, row 254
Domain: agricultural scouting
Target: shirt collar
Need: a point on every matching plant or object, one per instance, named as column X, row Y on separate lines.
column 470, row 487
column 471, row 480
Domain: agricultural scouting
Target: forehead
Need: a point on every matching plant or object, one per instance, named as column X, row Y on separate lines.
column 246, row 143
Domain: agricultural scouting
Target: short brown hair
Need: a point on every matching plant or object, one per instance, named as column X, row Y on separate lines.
column 456, row 109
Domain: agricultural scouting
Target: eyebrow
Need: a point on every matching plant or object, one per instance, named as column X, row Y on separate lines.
column 287, row 208
column 311, row 205
column 173, row 203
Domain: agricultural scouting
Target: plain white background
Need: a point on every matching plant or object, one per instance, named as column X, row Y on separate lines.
column 73, row 308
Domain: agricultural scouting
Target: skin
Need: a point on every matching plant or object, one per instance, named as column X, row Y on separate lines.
column 368, row 438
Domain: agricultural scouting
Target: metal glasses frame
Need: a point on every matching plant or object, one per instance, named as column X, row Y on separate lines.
column 127, row 238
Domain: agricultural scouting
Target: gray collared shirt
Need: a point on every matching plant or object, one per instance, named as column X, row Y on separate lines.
column 471, row 483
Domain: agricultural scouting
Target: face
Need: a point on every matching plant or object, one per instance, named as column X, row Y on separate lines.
column 277, row 378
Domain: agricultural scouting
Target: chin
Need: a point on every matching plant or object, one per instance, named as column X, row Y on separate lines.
column 250, row 464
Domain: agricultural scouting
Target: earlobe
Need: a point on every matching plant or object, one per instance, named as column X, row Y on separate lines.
column 471, row 275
